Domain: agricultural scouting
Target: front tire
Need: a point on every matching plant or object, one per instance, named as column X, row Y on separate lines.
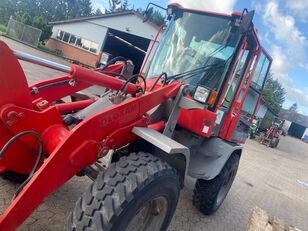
column 274, row 142
column 139, row 192
column 209, row 194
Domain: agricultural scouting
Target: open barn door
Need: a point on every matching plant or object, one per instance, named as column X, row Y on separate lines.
column 129, row 46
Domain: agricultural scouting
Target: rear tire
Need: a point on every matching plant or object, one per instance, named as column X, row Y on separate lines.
column 139, row 192
column 209, row 194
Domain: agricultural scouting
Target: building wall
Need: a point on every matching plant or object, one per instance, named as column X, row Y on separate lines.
column 131, row 24
column 250, row 102
column 83, row 29
column 96, row 31
column 261, row 111
column 72, row 52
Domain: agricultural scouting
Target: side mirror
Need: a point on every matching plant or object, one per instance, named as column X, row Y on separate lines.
column 147, row 14
column 246, row 21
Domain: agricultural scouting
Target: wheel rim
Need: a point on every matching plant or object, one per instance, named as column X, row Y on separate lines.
column 151, row 216
column 224, row 189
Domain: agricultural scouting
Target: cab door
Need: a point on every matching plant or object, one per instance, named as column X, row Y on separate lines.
column 248, row 98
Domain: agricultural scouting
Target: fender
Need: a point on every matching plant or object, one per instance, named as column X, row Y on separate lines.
column 180, row 154
column 207, row 155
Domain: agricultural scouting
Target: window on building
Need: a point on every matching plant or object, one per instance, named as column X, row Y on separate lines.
column 66, row 37
column 94, row 47
column 60, row 34
column 85, row 44
column 77, row 41
column 73, row 39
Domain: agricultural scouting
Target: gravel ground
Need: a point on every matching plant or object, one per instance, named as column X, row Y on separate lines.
column 266, row 178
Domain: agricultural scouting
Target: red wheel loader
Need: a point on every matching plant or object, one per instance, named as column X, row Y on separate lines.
column 140, row 140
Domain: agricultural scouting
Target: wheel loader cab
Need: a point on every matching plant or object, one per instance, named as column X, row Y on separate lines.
column 216, row 57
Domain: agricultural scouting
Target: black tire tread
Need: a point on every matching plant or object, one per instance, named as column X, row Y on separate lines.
column 206, row 191
column 107, row 197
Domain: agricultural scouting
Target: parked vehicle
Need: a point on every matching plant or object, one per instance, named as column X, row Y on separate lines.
column 271, row 137
column 139, row 141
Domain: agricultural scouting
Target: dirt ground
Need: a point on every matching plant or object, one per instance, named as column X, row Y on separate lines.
column 269, row 178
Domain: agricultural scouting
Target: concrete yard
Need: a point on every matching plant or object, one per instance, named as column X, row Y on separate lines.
column 268, row 178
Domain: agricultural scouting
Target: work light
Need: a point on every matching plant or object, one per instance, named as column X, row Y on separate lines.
column 201, row 94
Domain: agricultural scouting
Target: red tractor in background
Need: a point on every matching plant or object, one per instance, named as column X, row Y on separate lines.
column 138, row 141
column 271, row 137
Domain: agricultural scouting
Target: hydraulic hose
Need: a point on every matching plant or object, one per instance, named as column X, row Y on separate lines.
column 159, row 77
column 134, row 77
column 5, row 147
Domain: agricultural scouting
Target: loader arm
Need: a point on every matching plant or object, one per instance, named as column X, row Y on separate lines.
column 79, row 149
column 69, row 150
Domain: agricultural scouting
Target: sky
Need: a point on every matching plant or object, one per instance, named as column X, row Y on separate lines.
column 282, row 28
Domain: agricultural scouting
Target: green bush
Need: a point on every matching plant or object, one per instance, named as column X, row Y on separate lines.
column 2, row 28
column 45, row 48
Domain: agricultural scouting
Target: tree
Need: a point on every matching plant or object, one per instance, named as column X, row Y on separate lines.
column 274, row 94
column 269, row 98
column 279, row 93
column 118, row 5
column 293, row 107
column 25, row 19
column 7, row 8
column 42, row 24
column 78, row 8
column 98, row 12
column 39, row 12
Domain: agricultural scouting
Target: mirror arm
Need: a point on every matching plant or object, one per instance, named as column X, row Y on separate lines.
column 151, row 3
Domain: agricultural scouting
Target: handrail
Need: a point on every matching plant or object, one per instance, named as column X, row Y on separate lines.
column 146, row 59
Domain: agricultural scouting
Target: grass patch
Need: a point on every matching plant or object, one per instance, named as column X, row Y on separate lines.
column 2, row 29
column 45, row 48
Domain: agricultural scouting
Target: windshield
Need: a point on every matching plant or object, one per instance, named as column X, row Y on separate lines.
column 200, row 46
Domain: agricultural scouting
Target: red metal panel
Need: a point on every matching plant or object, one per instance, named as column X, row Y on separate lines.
column 19, row 156
column 199, row 121
column 13, row 83
column 123, row 135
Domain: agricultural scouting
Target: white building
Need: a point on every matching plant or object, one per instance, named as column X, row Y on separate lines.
column 119, row 34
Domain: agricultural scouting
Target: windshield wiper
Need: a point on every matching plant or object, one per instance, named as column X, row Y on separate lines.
column 191, row 73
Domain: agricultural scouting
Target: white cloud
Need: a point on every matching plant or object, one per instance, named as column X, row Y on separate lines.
column 298, row 7
column 290, row 54
column 101, row 8
column 284, row 29
column 280, row 67
column 101, row 4
column 220, row 6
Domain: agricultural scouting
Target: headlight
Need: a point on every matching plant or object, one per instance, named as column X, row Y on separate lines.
column 201, row 94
